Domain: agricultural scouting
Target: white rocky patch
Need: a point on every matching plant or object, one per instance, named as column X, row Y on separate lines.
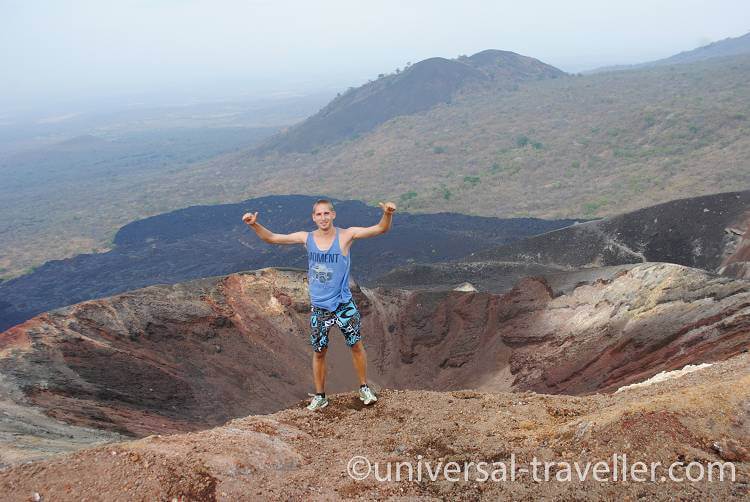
column 467, row 286
column 666, row 375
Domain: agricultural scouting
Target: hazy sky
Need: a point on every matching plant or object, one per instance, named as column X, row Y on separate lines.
column 58, row 49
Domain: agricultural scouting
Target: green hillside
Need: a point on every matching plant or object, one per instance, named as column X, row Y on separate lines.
column 584, row 146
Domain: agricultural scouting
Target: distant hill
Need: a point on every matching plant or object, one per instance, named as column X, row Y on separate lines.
column 723, row 48
column 418, row 87
column 586, row 147
column 204, row 241
column 727, row 47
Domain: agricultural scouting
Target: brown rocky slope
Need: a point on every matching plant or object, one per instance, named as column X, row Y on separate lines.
column 179, row 358
column 693, row 423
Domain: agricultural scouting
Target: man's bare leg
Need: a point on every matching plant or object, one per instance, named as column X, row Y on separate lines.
column 359, row 358
column 319, row 370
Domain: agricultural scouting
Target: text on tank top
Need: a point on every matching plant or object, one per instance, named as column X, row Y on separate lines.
column 328, row 274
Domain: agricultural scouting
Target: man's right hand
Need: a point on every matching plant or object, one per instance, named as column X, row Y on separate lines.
column 250, row 218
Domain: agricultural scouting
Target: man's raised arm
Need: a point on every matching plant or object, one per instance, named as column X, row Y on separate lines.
column 251, row 219
column 382, row 227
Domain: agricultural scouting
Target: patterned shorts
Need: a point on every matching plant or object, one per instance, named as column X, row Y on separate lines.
column 346, row 317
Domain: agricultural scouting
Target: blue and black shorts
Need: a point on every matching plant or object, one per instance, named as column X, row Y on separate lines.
column 346, row 317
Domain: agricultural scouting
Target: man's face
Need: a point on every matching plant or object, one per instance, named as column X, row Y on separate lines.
column 323, row 216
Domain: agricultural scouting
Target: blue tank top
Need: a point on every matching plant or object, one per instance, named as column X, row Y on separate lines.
column 327, row 274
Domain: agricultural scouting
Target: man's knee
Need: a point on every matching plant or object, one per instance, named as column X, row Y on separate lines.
column 320, row 355
column 358, row 347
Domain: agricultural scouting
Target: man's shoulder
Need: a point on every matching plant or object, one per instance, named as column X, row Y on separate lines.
column 346, row 233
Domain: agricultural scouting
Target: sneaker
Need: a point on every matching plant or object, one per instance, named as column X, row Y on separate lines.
column 317, row 402
column 367, row 396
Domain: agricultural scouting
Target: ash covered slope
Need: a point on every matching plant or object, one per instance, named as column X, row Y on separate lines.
column 204, row 241
column 189, row 356
column 703, row 417
column 709, row 232
column 695, row 232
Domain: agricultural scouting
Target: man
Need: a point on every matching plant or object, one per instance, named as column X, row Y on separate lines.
column 328, row 279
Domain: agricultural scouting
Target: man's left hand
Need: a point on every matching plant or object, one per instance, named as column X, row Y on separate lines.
column 388, row 207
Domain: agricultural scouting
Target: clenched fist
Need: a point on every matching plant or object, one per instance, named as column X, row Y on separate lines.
column 250, row 218
column 388, row 207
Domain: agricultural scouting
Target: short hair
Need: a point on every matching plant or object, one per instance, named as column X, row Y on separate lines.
column 323, row 201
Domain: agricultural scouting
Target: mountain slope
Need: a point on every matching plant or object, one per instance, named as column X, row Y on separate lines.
column 587, row 146
column 419, row 87
column 723, row 48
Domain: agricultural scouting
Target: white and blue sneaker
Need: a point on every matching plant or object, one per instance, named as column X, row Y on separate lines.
column 317, row 402
column 367, row 396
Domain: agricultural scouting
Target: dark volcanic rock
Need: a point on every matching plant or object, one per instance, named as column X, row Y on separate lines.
column 204, row 241
column 736, row 259
column 691, row 232
column 707, row 232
